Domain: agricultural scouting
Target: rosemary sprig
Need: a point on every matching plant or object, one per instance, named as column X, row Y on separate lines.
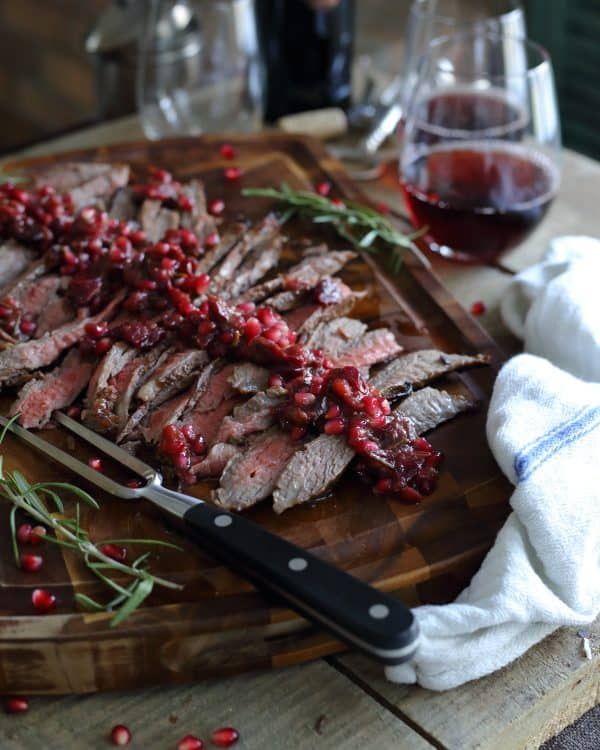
column 361, row 225
column 35, row 499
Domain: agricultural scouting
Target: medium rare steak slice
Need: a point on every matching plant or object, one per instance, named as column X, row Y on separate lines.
column 313, row 470
column 429, row 407
column 290, row 300
column 212, row 388
column 40, row 397
column 102, row 392
column 216, row 460
column 198, row 219
column 249, row 378
column 256, row 265
column 38, row 296
column 172, row 376
column 304, row 275
column 23, row 358
column 334, row 336
column 375, row 346
column 251, row 476
column 14, row 260
column 167, row 413
column 207, row 423
column 66, row 177
column 58, row 312
column 306, row 319
column 255, row 415
column 215, row 254
column 18, row 287
column 420, row 367
column 155, row 220
column 122, row 206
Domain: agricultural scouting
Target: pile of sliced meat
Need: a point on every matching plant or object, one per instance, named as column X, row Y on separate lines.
column 128, row 303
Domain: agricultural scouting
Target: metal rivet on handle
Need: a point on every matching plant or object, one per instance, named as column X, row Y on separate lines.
column 379, row 611
column 297, row 564
column 223, row 521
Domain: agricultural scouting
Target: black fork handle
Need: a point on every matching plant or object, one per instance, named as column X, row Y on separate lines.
column 352, row 610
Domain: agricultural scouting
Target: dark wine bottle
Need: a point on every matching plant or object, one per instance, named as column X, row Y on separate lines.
column 306, row 47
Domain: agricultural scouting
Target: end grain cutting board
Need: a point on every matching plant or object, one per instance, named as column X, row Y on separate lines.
column 218, row 624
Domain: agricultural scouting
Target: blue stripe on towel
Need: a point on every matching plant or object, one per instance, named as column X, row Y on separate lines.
column 535, row 454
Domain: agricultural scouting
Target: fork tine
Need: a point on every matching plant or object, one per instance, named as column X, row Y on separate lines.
column 107, row 446
column 72, row 463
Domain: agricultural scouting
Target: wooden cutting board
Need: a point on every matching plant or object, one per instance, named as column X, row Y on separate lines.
column 218, row 624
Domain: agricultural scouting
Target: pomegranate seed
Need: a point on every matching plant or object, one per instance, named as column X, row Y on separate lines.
column 134, row 484
column 189, row 742
column 212, row 240
column 96, row 330
column 338, row 203
column 27, row 327
column 95, row 463
column 383, row 486
column 24, row 533
column 114, row 552
column 232, row 174
column 334, row 427
column 37, row 535
column 74, row 412
column 383, row 208
column 16, row 705
column 120, row 735
column 478, row 308
column 410, row 495
column 297, row 432
column 224, row 737
column 421, row 444
column 102, row 346
column 188, row 432
column 304, row 399
column 138, row 237
column 275, row 381
column 216, row 207
column 323, row 188
column 199, row 445
column 227, row 151
column 43, row 600
column 31, row 563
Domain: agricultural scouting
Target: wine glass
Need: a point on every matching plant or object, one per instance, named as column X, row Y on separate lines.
column 480, row 154
column 199, row 68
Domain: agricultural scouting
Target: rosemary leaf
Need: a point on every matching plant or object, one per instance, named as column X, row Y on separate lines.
column 13, row 536
column 88, row 603
column 141, row 591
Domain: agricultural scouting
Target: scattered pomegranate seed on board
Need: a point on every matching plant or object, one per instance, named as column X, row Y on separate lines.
column 478, row 308
column 323, row 188
column 16, row 705
column 224, row 737
column 37, row 535
column 120, row 735
column 232, row 173
column 31, row 563
column 24, row 533
column 114, row 552
column 212, row 240
column 95, row 463
column 189, row 742
column 216, row 207
column 227, row 151
column 383, row 208
column 338, row 202
column 43, row 600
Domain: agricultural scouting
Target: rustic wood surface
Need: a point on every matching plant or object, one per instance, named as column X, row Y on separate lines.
column 518, row 707
column 217, row 625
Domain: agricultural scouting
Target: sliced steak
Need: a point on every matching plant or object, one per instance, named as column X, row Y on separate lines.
column 207, row 423
column 306, row 319
column 155, row 220
column 212, row 388
column 429, row 407
column 122, row 206
column 58, row 312
column 40, row 397
column 172, row 376
column 165, row 414
column 255, row 415
column 65, row 177
column 256, row 265
column 249, row 378
column 291, row 300
column 14, row 260
column 375, row 346
column 103, row 392
column 418, row 368
column 314, row 469
column 252, row 475
column 18, row 287
column 36, row 298
column 215, row 254
column 23, row 358
column 198, row 219
column 334, row 336
column 216, row 460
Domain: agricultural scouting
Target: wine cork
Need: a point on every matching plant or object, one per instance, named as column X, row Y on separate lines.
column 320, row 123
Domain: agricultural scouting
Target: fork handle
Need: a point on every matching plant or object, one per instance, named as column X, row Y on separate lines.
column 352, row 610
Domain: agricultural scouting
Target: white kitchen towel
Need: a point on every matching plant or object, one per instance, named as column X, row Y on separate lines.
column 554, row 306
column 544, row 430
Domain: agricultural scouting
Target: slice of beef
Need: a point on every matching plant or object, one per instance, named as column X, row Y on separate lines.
column 292, row 299
column 23, row 358
column 172, row 376
column 40, row 397
column 167, row 413
column 88, row 184
column 58, row 312
column 18, row 287
column 251, row 476
column 198, row 219
column 102, row 392
column 304, row 275
column 420, row 367
column 249, row 378
column 429, row 407
column 213, row 464
column 306, row 319
column 255, row 415
column 212, row 388
column 314, row 469
column 334, row 336
column 257, row 264
column 155, row 220
column 215, row 254
column 257, row 236
column 36, row 297
column 207, row 423
column 14, row 260
column 375, row 346
column 122, row 205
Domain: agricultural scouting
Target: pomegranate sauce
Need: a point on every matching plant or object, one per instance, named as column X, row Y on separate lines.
column 478, row 200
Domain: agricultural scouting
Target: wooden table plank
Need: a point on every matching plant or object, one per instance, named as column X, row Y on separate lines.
column 279, row 709
column 516, row 708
